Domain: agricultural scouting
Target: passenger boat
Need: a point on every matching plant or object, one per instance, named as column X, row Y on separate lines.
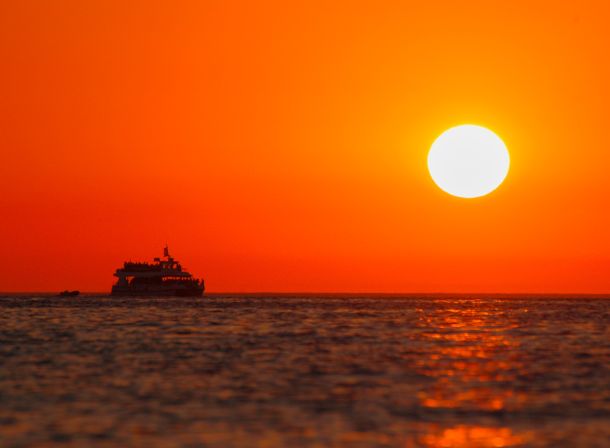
column 164, row 277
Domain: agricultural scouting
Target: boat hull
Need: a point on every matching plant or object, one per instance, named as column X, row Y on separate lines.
column 157, row 292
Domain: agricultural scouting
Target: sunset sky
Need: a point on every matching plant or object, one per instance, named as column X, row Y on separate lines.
column 281, row 146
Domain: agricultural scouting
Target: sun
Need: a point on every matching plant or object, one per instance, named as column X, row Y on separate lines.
column 468, row 161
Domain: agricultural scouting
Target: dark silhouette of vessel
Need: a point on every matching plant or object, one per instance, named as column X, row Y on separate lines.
column 67, row 293
column 163, row 277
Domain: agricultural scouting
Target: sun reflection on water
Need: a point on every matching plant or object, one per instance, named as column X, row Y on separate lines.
column 471, row 437
column 470, row 355
column 472, row 360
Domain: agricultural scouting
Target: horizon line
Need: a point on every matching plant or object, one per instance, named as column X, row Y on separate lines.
column 350, row 293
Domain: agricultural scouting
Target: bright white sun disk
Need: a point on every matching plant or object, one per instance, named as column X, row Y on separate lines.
column 468, row 161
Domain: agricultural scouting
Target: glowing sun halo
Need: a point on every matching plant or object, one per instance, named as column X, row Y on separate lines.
column 468, row 161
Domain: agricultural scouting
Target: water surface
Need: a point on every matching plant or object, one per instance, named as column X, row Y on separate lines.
column 304, row 371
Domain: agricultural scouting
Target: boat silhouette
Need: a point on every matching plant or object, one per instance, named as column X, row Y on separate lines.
column 67, row 293
column 163, row 277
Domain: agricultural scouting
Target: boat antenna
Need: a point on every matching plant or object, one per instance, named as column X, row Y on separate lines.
column 166, row 251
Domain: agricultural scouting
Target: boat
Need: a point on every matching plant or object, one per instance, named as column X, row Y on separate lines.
column 163, row 277
column 67, row 293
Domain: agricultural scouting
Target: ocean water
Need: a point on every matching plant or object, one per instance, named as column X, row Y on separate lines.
column 305, row 371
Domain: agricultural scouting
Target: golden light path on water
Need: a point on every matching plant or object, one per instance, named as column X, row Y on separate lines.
column 466, row 363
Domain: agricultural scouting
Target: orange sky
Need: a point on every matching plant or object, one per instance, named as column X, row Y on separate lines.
column 282, row 147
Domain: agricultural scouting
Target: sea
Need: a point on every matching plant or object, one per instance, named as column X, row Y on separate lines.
column 311, row 370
